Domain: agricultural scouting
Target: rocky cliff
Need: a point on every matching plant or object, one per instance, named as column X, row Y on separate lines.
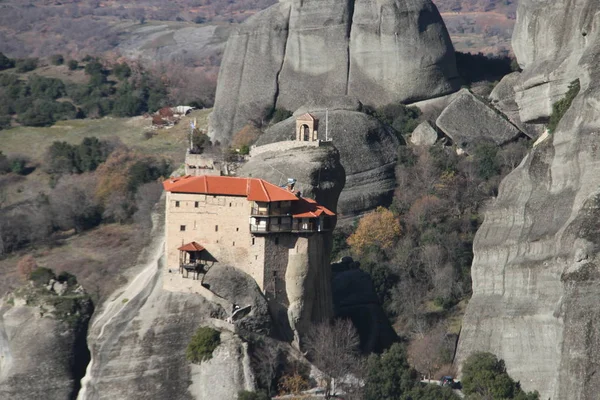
column 43, row 350
column 379, row 51
column 367, row 153
column 139, row 337
column 536, row 277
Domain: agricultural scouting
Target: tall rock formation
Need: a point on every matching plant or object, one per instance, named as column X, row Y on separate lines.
column 367, row 153
column 536, row 276
column 378, row 51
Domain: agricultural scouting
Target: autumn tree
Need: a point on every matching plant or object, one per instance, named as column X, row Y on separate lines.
column 334, row 348
column 26, row 266
column 427, row 353
column 380, row 228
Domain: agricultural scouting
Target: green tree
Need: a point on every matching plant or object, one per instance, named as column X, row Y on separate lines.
column 60, row 158
column 122, row 71
column 389, row 376
column 202, row 345
column 484, row 375
column 57, row 59
column 485, row 160
column 128, row 106
column 5, row 62
column 91, row 153
column 73, row 65
column 26, row 64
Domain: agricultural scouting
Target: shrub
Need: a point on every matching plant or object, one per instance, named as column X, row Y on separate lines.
column 57, row 59
column 246, row 395
column 41, row 276
column 280, row 114
column 485, row 375
column 5, row 121
column 122, row 71
column 403, row 119
column 485, row 159
column 5, row 62
column 26, row 266
column 560, row 107
column 26, row 64
column 18, row 164
column 199, row 20
column 202, row 345
column 67, row 277
column 73, row 65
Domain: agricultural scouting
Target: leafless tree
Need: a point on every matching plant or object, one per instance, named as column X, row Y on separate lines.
column 73, row 202
column 426, row 353
column 333, row 347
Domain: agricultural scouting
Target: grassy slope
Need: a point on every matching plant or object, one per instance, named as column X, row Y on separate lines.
column 99, row 257
column 171, row 143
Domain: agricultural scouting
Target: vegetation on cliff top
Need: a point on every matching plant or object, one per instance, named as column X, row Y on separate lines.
column 202, row 345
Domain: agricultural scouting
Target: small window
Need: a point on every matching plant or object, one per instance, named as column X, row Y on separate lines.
column 196, row 204
column 256, row 257
column 237, row 229
column 234, row 244
column 252, row 241
column 176, row 204
column 182, row 228
column 216, row 228
column 214, row 196
column 229, row 204
column 274, row 273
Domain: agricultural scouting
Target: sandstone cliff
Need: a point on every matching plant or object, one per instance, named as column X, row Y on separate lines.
column 549, row 41
column 367, row 153
column 43, row 350
column 379, row 51
column 535, row 272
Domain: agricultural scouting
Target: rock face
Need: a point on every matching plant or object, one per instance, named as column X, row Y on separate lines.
column 319, row 175
column 317, row 170
column 139, row 338
column 535, row 273
column 467, row 121
column 378, row 51
column 240, row 289
column 367, row 151
column 41, row 356
column 549, row 39
column 503, row 98
column 424, row 135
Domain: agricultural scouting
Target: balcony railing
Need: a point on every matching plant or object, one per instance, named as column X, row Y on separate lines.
column 275, row 212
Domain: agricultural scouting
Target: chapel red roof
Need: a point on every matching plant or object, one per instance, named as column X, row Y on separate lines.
column 309, row 208
column 253, row 189
column 192, row 246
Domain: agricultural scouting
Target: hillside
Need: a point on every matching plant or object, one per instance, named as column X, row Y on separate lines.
column 192, row 32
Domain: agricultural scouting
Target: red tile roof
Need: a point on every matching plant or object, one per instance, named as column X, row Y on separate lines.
column 253, row 189
column 192, row 246
column 308, row 208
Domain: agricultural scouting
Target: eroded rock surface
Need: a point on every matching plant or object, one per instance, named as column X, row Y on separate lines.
column 367, row 151
column 240, row 289
column 43, row 351
column 468, row 121
column 378, row 51
column 424, row 135
column 549, row 40
column 535, row 269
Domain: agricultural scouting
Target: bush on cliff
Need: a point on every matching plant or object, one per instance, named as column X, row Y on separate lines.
column 560, row 107
column 485, row 377
column 41, row 276
column 202, row 345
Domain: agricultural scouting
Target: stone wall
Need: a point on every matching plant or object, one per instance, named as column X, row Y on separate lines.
column 218, row 223
column 285, row 146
